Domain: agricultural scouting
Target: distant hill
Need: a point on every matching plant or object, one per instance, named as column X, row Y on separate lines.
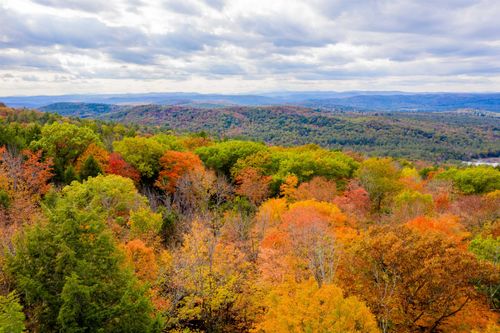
column 434, row 136
column 354, row 100
column 81, row 110
column 420, row 102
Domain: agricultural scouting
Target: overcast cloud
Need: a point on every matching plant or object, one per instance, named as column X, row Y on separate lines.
column 92, row 46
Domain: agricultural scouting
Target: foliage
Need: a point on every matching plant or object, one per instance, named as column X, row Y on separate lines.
column 410, row 280
column 90, row 168
column 208, row 282
column 141, row 153
column 309, row 161
column 318, row 188
column 409, row 204
column 239, row 236
column 480, row 179
column 253, row 185
column 24, row 179
column 488, row 248
column 174, row 165
column 64, row 143
column 303, row 244
column 169, row 142
column 304, row 307
column 445, row 225
column 71, row 276
column 429, row 136
column 144, row 221
column 379, row 176
column 99, row 154
column 11, row 314
column 223, row 155
column 143, row 259
column 117, row 199
column 117, row 166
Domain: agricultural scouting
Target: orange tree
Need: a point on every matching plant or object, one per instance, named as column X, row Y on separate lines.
column 412, row 281
column 174, row 165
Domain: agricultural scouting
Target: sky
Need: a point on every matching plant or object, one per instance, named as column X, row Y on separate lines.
column 50, row 47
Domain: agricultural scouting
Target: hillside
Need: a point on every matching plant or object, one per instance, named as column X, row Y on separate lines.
column 81, row 110
column 430, row 136
column 413, row 102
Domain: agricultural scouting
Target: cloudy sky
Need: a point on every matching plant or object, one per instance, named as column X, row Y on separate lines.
column 231, row 46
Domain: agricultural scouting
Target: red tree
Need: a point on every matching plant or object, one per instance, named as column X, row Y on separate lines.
column 118, row 166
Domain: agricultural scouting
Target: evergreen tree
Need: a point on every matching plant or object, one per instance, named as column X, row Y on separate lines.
column 90, row 168
column 70, row 175
column 11, row 314
column 73, row 279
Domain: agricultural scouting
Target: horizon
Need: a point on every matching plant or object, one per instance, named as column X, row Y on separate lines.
column 56, row 47
column 264, row 93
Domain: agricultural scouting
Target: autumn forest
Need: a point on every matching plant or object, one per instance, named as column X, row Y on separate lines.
column 105, row 227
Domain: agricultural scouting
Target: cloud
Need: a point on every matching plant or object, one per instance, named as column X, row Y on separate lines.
column 183, row 7
column 377, row 44
column 80, row 32
column 93, row 6
column 216, row 4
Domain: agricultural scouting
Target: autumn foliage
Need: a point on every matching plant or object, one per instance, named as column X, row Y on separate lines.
column 116, row 165
column 252, row 184
column 115, row 228
column 304, row 307
column 174, row 165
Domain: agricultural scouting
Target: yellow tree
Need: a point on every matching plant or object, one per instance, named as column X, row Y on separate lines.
column 208, row 284
column 304, row 307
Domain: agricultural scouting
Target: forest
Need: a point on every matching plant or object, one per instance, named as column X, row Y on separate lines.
column 119, row 227
column 433, row 136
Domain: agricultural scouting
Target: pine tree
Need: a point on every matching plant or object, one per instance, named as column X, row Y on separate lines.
column 70, row 175
column 11, row 314
column 72, row 277
column 90, row 168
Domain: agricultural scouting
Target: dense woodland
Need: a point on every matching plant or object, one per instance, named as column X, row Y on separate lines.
column 435, row 136
column 106, row 227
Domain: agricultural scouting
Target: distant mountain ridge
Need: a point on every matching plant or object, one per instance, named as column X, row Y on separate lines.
column 355, row 100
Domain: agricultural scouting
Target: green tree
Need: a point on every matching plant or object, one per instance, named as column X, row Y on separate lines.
column 90, row 168
column 69, row 175
column 73, row 277
column 169, row 142
column 4, row 199
column 223, row 155
column 11, row 314
column 142, row 153
column 379, row 177
column 311, row 161
column 64, row 142
column 117, row 199
column 474, row 180
column 488, row 249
